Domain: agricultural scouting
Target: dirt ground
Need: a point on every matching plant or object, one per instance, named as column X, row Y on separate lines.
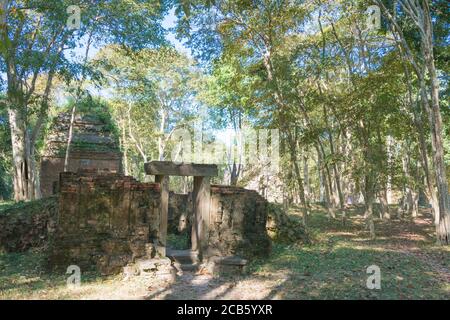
column 334, row 266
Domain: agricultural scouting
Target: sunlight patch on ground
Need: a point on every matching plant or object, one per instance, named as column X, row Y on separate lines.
column 333, row 267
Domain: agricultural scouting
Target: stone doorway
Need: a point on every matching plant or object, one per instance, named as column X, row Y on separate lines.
column 180, row 215
column 201, row 197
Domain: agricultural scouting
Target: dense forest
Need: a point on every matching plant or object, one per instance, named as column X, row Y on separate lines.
column 357, row 90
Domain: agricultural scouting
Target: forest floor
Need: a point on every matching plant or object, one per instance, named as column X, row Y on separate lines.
column 334, row 266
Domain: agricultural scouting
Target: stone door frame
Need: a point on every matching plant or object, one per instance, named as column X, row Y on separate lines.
column 201, row 196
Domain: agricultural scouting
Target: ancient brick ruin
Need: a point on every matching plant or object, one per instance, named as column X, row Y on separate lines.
column 112, row 221
column 27, row 225
column 238, row 223
column 105, row 220
column 93, row 146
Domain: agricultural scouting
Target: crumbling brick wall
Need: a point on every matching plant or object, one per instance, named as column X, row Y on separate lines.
column 238, row 219
column 108, row 220
column 104, row 219
column 27, row 225
column 238, row 223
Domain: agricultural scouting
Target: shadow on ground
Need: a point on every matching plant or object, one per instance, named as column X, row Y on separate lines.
column 334, row 266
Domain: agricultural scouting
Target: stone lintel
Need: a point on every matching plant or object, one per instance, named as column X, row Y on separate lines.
column 181, row 169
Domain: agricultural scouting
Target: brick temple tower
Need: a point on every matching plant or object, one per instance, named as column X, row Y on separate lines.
column 93, row 146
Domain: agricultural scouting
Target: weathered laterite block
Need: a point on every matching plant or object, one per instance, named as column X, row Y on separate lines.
column 28, row 225
column 238, row 223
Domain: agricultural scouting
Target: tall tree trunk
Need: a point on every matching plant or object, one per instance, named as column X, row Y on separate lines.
column 337, row 178
column 442, row 215
column 298, row 175
column 283, row 122
column 77, row 99
column 306, row 177
column 20, row 165
column 443, row 228
column 123, row 142
column 325, row 185
column 369, row 199
column 234, row 174
column 162, row 127
column 420, row 14
column 69, row 138
column 430, row 190
column 321, row 178
column 384, row 212
column 408, row 189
